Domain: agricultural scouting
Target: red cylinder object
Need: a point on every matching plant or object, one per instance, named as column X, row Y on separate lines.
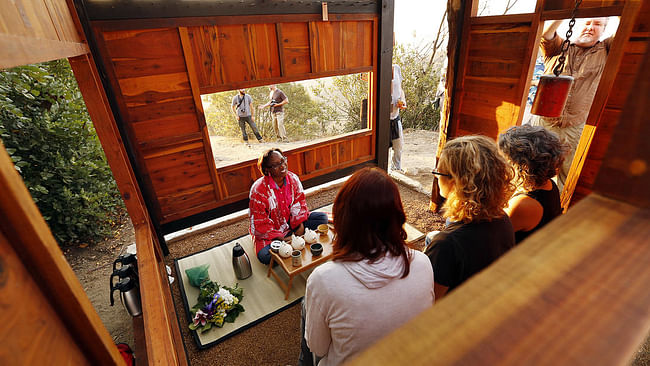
column 552, row 93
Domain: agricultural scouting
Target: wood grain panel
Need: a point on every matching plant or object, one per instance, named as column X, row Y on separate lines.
column 37, row 31
column 494, row 68
column 238, row 181
column 340, row 45
column 143, row 44
column 186, row 199
column 506, row 46
column 262, row 46
column 161, row 111
column 64, row 21
column 248, row 52
column 344, row 151
column 294, row 42
column 33, row 333
column 141, row 91
column 205, row 51
column 325, row 56
column 180, row 106
column 180, row 124
column 362, row 147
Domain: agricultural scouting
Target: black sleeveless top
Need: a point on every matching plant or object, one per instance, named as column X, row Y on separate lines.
column 550, row 201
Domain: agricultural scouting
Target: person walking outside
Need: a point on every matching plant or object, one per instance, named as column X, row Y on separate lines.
column 242, row 108
column 278, row 100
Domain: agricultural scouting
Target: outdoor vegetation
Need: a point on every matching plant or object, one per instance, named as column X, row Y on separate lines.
column 46, row 130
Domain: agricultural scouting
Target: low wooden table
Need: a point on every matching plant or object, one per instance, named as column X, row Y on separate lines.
column 308, row 261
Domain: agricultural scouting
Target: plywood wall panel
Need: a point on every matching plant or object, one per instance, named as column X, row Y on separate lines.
column 157, row 102
column 181, row 106
column 139, row 91
column 494, row 70
column 165, row 127
column 339, row 45
column 294, row 42
column 262, row 46
column 185, row 200
column 33, row 332
column 205, row 51
column 33, row 31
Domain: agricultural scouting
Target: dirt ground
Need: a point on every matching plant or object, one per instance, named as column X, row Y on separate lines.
column 93, row 264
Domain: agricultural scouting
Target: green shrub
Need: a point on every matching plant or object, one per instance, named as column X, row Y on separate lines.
column 47, row 132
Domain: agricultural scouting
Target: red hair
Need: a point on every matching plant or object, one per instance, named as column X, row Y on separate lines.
column 369, row 219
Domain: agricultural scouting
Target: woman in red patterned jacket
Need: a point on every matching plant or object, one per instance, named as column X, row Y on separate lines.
column 277, row 206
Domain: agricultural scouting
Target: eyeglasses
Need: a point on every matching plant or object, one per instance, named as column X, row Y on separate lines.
column 442, row 174
column 283, row 161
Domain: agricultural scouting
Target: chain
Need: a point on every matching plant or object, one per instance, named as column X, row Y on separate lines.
column 565, row 45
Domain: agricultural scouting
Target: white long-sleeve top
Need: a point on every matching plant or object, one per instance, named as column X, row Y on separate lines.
column 351, row 305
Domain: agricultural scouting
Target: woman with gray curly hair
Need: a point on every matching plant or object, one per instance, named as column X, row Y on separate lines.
column 536, row 155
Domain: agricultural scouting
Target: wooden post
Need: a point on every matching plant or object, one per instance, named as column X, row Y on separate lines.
column 384, row 81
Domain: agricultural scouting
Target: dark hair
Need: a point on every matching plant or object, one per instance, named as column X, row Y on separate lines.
column 369, row 219
column 535, row 153
column 263, row 161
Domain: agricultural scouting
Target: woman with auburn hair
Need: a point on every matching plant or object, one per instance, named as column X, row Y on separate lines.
column 476, row 182
column 536, row 154
column 375, row 283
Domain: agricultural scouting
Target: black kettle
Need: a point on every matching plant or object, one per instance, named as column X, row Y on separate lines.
column 241, row 264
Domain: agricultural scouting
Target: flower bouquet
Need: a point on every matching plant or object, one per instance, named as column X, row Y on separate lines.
column 216, row 305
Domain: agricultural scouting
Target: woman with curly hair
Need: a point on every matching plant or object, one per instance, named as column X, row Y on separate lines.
column 476, row 182
column 536, row 154
column 375, row 283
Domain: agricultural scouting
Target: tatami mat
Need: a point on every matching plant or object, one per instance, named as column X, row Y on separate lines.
column 263, row 297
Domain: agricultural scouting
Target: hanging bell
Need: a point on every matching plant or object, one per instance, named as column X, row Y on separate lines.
column 552, row 94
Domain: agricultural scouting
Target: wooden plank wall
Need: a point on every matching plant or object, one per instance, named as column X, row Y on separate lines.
column 36, row 31
column 158, row 75
column 604, row 116
column 494, row 73
column 230, row 56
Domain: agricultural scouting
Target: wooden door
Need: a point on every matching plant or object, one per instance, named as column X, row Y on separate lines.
column 494, row 71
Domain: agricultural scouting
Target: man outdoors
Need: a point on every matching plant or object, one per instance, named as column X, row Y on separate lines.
column 398, row 101
column 278, row 100
column 585, row 61
column 242, row 108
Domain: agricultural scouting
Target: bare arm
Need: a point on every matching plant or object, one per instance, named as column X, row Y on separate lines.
column 524, row 212
column 439, row 290
column 234, row 111
column 252, row 109
column 549, row 32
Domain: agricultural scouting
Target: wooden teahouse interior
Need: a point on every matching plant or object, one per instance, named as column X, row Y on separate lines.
column 142, row 69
